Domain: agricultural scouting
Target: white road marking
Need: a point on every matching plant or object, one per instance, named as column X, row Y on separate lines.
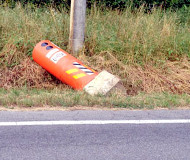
column 94, row 122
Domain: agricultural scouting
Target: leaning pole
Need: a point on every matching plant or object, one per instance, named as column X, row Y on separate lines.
column 77, row 26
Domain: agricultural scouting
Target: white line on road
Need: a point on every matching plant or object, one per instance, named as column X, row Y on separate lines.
column 95, row 122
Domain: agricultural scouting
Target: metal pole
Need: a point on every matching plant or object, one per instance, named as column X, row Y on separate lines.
column 77, row 25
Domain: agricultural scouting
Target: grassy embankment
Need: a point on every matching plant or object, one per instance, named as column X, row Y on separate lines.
column 149, row 52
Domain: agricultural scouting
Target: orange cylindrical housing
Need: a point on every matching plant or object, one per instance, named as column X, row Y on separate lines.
column 62, row 65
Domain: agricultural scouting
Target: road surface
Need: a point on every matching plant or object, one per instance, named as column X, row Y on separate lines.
column 95, row 140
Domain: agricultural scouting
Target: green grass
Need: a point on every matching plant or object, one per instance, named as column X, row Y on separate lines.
column 68, row 98
column 139, row 38
column 134, row 38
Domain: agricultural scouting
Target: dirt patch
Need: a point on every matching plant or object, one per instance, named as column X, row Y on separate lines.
column 95, row 108
column 50, row 108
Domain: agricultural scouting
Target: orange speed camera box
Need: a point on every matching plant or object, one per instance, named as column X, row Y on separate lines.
column 62, row 65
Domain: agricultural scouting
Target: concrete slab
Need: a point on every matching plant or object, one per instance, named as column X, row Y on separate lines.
column 102, row 83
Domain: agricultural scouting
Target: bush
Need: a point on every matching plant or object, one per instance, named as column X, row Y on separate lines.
column 119, row 4
column 12, row 3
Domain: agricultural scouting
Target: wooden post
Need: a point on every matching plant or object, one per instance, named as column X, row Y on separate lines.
column 77, row 25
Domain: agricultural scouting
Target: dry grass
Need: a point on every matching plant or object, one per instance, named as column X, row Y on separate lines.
column 172, row 77
column 27, row 74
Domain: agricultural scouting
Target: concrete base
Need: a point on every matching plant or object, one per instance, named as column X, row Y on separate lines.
column 101, row 84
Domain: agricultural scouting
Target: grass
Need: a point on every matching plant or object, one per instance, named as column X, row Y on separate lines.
column 28, row 98
column 133, row 38
column 149, row 51
column 139, row 38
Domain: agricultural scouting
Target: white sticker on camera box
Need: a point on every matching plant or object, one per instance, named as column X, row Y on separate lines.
column 50, row 53
column 57, row 56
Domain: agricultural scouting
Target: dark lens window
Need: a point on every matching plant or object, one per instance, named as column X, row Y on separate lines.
column 44, row 44
column 49, row 47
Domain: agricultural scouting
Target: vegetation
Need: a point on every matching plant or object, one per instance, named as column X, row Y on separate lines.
column 149, row 51
column 114, row 4
column 27, row 98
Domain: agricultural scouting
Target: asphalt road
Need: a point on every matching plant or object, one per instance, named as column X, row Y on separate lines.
column 95, row 142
